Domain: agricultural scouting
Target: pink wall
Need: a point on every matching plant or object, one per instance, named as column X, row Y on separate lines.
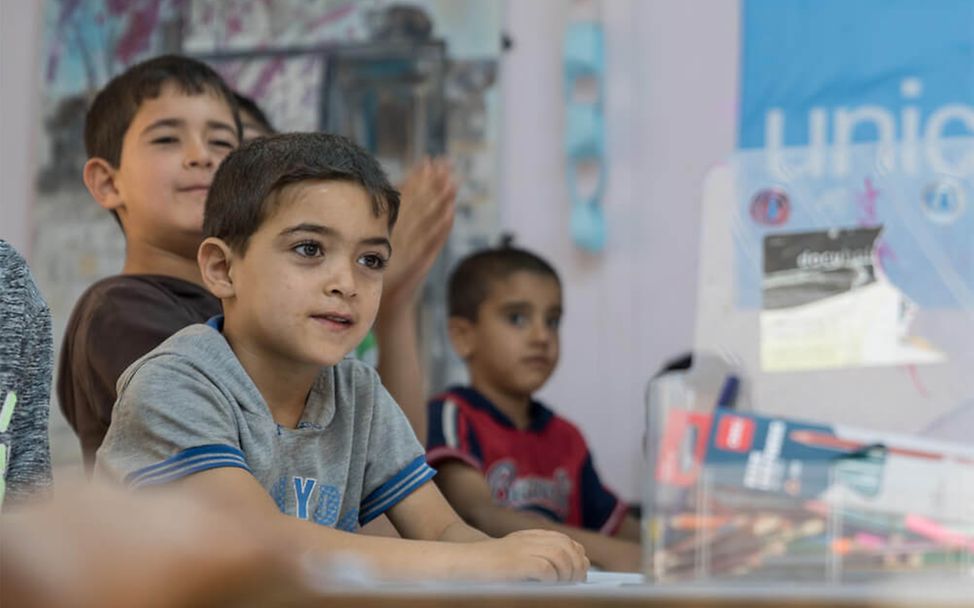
column 670, row 95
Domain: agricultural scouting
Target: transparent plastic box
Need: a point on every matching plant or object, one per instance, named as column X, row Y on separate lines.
column 731, row 495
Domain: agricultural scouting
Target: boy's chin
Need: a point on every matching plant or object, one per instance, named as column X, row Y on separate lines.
column 534, row 382
column 329, row 357
column 185, row 246
column 327, row 360
column 522, row 389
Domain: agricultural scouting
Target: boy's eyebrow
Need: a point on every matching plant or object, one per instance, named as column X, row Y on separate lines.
column 378, row 241
column 524, row 304
column 217, row 125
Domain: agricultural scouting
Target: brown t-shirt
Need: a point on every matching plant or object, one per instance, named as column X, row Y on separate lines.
column 116, row 321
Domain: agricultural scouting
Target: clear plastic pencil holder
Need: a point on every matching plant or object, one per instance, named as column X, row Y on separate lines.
column 879, row 511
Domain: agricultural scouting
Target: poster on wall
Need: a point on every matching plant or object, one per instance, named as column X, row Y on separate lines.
column 873, row 156
column 828, row 304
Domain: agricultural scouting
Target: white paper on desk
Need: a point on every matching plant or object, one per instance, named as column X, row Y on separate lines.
column 614, row 579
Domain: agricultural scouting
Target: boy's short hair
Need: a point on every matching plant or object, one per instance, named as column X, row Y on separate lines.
column 113, row 109
column 248, row 105
column 243, row 191
column 470, row 282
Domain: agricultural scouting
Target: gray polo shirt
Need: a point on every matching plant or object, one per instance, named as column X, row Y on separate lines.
column 189, row 406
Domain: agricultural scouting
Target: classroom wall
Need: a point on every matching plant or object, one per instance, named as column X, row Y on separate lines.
column 19, row 24
column 671, row 103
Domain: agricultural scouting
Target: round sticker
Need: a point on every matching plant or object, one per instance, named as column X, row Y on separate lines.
column 770, row 207
column 943, row 201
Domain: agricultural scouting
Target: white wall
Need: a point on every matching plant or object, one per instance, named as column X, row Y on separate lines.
column 19, row 94
column 671, row 103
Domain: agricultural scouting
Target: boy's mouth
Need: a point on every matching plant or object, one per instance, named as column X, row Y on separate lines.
column 537, row 361
column 204, row 188
column 334, row 319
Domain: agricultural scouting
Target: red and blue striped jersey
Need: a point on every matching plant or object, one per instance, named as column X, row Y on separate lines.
column 546, row 468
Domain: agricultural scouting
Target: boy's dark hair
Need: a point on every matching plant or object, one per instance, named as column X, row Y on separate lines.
column 115, row 106
column 470, row 281
column 243, row 190
column 249, row 106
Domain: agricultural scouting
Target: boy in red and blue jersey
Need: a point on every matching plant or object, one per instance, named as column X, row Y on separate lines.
column 507, row 462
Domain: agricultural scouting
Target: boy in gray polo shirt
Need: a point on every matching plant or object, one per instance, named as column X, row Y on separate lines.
column 260, row 410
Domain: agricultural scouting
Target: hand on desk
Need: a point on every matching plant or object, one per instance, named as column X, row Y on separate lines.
column 540, row 555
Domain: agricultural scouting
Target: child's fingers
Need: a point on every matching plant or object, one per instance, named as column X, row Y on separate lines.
column 561, row 561
column 442, row 223
column 569, row 562
column 443, row 178
column 584, row 563
column 544, row 570
column 555, row 564
column 580, row 563
column 442, row 166
column 566, row 555
column 443, row 195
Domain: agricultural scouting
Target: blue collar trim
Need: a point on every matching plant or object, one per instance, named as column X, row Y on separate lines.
column 539, row 415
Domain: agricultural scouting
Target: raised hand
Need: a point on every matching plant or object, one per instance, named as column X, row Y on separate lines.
column 425, row 217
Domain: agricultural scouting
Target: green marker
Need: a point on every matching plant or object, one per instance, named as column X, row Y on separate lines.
column 6, row 414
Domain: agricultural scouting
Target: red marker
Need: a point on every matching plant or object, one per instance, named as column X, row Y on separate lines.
column 817, row 439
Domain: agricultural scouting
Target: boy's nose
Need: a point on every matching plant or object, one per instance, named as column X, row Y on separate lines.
column 341, row 280
column 540, row 332
column 197, row 154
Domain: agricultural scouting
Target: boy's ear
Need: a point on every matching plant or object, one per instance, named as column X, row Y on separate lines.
column 215, row 259
column 99, row 177
column 461, row 336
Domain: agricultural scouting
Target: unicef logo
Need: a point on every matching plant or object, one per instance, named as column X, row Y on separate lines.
column 943, row 201
column 770, row 207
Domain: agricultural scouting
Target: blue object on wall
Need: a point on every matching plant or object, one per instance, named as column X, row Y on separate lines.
column 799, row 56
column 585, row 159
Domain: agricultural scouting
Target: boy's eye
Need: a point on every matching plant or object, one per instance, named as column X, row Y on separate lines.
column 553, row 322
column 308, row 250
column 223, row 143
column 517, row 319
column 373, row 261
column 165, row 139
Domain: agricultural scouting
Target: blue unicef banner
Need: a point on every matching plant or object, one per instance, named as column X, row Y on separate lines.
column 855, row 176
column 810, row 68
